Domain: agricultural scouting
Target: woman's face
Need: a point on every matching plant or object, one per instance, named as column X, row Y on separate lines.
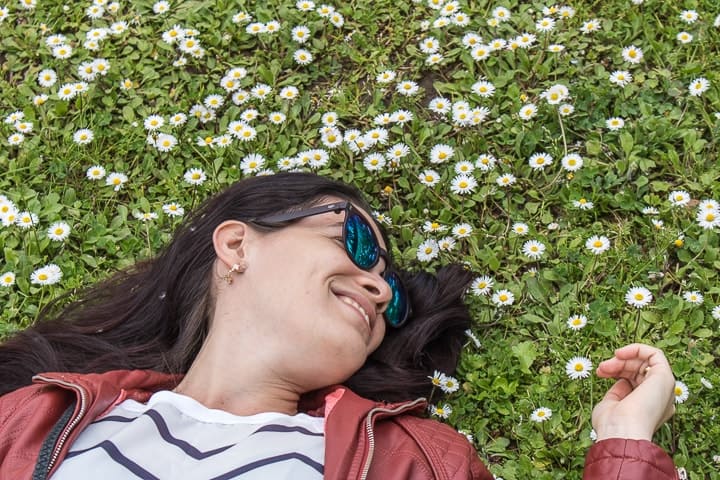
column 308, row 309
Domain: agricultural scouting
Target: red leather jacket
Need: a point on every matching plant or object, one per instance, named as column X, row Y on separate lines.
column 370, row 440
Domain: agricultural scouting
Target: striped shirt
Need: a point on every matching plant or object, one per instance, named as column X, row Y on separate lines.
column 175, row 437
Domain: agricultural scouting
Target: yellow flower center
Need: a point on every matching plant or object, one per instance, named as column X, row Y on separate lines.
column 43, row 276
column 503, row 297
column 597, row 244
column 639, row 296
column 579, row 367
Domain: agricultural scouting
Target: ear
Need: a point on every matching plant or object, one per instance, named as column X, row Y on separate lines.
column 230, row 242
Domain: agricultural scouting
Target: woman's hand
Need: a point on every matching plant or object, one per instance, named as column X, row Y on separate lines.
column 641, row 400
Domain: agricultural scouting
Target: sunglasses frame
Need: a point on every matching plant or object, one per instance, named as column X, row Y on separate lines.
column 348, row 208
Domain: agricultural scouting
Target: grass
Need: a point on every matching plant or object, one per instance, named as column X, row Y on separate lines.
column 669, row 143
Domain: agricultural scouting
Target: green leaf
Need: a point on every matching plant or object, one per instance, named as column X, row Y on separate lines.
column 526, row 353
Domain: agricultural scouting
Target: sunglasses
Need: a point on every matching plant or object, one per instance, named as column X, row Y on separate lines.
column 363, row 248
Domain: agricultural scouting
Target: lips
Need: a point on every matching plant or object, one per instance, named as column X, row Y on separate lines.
column 359, row 303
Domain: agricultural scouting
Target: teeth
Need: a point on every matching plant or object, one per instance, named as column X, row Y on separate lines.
column 353, row 303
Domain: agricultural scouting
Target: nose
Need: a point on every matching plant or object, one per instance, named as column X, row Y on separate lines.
column 378, row 290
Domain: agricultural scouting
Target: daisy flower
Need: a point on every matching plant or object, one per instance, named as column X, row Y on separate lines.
column 462, row 230
column 572, row 162
column 441, row 153
column 578, row 367
column 83, row 136
column 429, row 178
column 597, row 244
column 427, row 250
column 716, row 312
column 429, row 45
column 684, row 37
column 706, row 383
column 501, row 14
column 401, row 116
column 385, row 77
column 62, row 51
column 173, row 209
column 407, row 88
column 693, row 297
column 58, row 231
column 463, row 184
column 46, row 275
column 47, row 78
column 165, row 142
column 506, row 180
column 16, row 138
column 545, row 24
column 708, row 218
column 471, row 39
column 464, row 167
column 96, row 172
column 638, row 297
column 449, row 384
column 374, row 162
column 698, row 86
column 440, row 105
column 481, row 285
column 161, row 7
column 7, row 279
column 689, row 16
column 650, row 211
column 566, row 109
column 195, row 176
column 153, row 122
column 681, row 392
column 485, row 162
column 300, row 34
column 252, row 163
column 473, row 338
column 116, row 180
column 289, row 93
column 679, row 198
column 621, row 77
column 26, row 220
column 528, row 111
column 302, row 57
column 433, row 227
column 480, row 52
column 437, row 378
column 441, row 411
column 539, row 161
column 632, row 54
column 483, row 88
column 583, row 204
column 145, row 216
column 520, row 228
column 576, row 322
column 541, row 414
column 260, row 91
column 503, row 298
column 590, row 26
column 533, row 249
column 398, row 151
column 615, row 123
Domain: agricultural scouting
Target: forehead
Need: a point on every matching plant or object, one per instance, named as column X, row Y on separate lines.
column 335, row 219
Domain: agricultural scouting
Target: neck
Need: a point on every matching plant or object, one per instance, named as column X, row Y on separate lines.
column 242, row 387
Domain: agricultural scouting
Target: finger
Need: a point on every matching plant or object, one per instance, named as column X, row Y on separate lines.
column 643, row 353
column 620, row 389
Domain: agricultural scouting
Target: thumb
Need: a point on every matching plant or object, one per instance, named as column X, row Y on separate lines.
column 618, row 391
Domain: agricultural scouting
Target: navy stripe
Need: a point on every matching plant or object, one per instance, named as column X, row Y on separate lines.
column 269, row 461
column 115, row 418
column 181, row 444
column 285, row 428
column 115, row 454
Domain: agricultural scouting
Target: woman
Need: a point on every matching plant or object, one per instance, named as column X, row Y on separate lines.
column 265, row 342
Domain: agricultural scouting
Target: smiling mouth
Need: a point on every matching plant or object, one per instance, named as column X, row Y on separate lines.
column 357, row 306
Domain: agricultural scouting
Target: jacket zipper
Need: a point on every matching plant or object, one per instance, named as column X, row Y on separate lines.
column 73, row 422
column 371, row 433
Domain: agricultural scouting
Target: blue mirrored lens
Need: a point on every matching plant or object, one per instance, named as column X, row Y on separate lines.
column 360, row 241
column 397, row 309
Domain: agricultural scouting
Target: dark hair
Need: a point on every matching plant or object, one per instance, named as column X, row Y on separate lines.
column 431, row 340
column 155, row 315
